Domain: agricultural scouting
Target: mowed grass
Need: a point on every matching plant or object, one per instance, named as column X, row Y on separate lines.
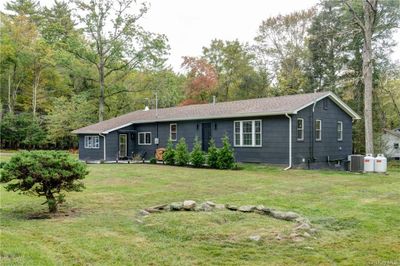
column 357, row 216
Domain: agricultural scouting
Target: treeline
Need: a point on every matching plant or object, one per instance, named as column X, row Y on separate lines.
column 79, row 62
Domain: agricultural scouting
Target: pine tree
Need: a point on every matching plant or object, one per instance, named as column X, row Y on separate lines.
column 182, row 156
column 169, row 154
column 197, row 157
column 212, row 155
column 226, row 159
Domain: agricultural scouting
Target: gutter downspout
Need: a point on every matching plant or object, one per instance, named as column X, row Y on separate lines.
column 312, row 135
column 104, row 149
column 290, row 142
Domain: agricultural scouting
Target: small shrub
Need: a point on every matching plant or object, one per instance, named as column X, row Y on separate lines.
column 226, row 159
column 169, row 154
column 197, row 157
column 2, row 164
column 212, row 155
column 153, row 160
column 46, row 174
column 182, row 156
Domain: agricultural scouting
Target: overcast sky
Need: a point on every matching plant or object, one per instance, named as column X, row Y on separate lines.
column 192, row 24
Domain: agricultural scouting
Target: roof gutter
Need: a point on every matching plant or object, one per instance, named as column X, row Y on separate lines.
column 185, row 119
column 104, row 145
column 290, row 142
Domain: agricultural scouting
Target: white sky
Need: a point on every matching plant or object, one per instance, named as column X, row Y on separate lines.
column 192, row 24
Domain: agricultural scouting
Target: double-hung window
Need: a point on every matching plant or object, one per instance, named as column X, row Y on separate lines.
column 247, row 133
column 318, row 130
column 92, row 142
column 339, row 130
column 300, row 129
column 173, row 131
column 144, row 138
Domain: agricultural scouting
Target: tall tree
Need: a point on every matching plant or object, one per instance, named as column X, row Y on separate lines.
column 238, row 78
column 201, row 81
column 367, row 19
column 116, row 42
column 281, row 46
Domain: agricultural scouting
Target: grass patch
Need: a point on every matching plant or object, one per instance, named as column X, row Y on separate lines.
column 357, row 217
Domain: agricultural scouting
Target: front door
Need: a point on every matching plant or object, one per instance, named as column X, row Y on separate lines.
column 123, row 145
column 206, row 135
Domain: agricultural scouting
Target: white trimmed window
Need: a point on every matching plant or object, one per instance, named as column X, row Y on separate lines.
column 144, row 138
column 318, row 130
column 173, row 131
column 300, row 129
column 247, row 133
column 92, row 142
column 339, row 130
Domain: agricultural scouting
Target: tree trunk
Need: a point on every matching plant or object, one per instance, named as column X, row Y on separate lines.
column 10, row 108
column 101, row 98
column 36, row 81
column 51, row 202
column 367, row 75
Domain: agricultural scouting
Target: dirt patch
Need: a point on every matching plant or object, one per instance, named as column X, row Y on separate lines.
column 61, row 214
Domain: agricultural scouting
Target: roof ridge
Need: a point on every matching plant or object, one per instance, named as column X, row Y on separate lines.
column 240, row 108
column 219, row 103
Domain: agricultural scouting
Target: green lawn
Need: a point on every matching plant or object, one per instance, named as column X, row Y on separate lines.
column 358, row 218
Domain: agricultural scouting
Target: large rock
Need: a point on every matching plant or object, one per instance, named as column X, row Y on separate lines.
column 220, row 206
column 159, row 207
column 205, row 207
column 231, row 207
column 260, row 208
column 246, row 208
column 210, row 203
column 151, row 210
column 189, row 205
column 176, row 206
column 288, row 216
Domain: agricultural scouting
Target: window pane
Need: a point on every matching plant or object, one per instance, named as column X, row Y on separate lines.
column 317, row 124
column 237, row 139
column 237, row 127
column 299, row 134
column 258, row 139
column 299, row 123
column 141, row 138
column 96, row 142
column 247, row 139
column 148, row 138
column 257, row 126
column 247, row 126
column 173, row 127
column 173, row 136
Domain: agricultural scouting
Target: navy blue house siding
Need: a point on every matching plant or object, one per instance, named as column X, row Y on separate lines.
column 275, row 137
column 329, row 145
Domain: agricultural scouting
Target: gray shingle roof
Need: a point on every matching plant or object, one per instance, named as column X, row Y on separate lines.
column 243, row 108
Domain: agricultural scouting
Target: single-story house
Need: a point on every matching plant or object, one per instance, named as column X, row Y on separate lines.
column 296, row 129
column 391, row 142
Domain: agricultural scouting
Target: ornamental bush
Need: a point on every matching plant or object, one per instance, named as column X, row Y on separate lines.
column 169, row 154
column 182, row 156
column 45, row 174
column 197, row 157
column 212, row 155
column 226, row 159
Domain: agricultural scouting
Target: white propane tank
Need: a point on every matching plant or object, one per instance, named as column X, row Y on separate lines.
column 369, row 163
column 380, row 163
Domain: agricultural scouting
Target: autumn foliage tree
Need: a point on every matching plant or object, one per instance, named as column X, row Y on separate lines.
column 201, row 81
